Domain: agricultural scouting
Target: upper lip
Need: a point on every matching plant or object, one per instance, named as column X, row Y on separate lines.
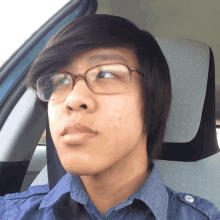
column 77, row 128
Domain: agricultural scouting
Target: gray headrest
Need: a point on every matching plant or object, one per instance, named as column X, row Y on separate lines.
column 189, row 62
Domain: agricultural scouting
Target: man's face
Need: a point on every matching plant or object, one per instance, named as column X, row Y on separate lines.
column 116, row 118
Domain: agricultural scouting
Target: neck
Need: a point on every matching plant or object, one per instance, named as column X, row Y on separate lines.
column 115, row 185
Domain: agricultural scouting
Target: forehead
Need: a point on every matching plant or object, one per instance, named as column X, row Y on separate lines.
column 105, row 55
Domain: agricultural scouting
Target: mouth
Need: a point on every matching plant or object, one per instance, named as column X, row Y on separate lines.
column 77, row 128
column 77, row 138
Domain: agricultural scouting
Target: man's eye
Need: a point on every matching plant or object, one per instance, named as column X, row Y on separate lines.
column 106, row 74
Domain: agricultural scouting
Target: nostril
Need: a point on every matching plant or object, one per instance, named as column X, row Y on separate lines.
column 84, row 106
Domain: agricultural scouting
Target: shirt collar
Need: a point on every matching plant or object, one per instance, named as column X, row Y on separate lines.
column 152, row 192
column 63, row 186
column 68, row 183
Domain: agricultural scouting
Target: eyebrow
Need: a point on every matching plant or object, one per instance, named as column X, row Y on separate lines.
column 99, row 57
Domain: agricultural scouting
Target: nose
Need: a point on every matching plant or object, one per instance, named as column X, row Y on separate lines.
column 81, row 97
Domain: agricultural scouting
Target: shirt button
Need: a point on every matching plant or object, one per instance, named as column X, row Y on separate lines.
column 189, row 198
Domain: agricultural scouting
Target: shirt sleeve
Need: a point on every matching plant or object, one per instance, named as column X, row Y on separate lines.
column 188, row 206
column 20, row 205
column 200, row 205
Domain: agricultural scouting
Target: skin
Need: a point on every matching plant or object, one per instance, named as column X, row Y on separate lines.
column 113, row 164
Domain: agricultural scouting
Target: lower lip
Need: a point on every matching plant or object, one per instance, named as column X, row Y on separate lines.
column 77, row 137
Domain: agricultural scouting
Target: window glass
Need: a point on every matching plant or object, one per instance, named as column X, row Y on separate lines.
column 218, row 136
column 43, row 139
column 20, row 19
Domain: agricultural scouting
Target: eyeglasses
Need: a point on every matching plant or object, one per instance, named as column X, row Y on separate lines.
column 101, row 79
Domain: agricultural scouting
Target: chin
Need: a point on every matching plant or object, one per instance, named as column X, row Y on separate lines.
column 82, row 170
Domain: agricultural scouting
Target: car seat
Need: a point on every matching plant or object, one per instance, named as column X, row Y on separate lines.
column 190, row 160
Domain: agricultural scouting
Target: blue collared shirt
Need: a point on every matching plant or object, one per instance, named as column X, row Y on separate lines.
column 69, row 200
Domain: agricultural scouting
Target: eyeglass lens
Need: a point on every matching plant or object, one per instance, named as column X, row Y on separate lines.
column 103, row 79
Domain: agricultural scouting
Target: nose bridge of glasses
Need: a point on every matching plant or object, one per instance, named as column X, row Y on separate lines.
column 77, row 77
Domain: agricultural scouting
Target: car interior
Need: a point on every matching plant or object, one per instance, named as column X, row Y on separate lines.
column 190, row 160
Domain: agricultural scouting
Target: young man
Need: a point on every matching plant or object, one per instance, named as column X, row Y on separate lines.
column 106, row 87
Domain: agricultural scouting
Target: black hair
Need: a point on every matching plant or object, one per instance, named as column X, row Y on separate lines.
column 100, row 30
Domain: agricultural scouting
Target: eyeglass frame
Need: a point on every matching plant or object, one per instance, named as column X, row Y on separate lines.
column 131, row 70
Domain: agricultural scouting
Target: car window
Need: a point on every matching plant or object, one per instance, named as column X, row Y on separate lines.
column 218, row 131
column 18, row 25
column 218, row 136
column 43, row 139
column 29, row 18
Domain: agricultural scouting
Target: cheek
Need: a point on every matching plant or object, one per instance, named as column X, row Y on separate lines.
column 114, row 116
column 115, row 107
column 122, row 114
